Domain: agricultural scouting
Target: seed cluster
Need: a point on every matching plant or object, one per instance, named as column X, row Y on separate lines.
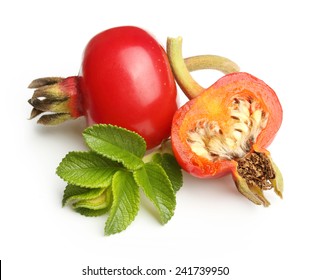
column 257, row 169
column 247, row 120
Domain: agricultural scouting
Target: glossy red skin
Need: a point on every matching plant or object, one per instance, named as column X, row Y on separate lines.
column 221, row 93
column 127, row 81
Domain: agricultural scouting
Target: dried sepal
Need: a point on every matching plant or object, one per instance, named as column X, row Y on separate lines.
column 52, row 92
column 249, row 192
column 256, row 173
column 277, row 182
column 258, row 192
column 54, row 119
column 57, row 111
column 37, row 83
column 34, row 113
column 55, row 99
column 49, row 105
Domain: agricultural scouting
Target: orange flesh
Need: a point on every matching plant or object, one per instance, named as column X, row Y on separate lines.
column 214, row 105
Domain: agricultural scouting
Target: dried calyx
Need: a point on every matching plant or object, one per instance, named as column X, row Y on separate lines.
column 257, row 172
column 53, row 100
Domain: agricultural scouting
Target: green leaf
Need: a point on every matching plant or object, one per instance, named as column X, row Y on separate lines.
column 88, row 202
column 171, row 167
column 90, row 212
column 74, row 193
column 125, row 202
column 87, row 169
column 102, row 201
column 117, row 144
column 158, row 188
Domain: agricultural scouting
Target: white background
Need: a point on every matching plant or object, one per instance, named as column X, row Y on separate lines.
column 213, row 224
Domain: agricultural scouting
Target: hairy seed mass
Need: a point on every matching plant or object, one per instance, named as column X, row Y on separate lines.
column 209, row 140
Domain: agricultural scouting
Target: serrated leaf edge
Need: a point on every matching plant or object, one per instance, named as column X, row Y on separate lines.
column 137, row 158
column 172, row 211
column 164, row 158
column 138, row 205
column 113, row 126
column 71, row 182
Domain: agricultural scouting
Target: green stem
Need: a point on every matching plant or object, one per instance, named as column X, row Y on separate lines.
column 165, row 148
column 181, row 68
column 183, row 77
column 214, row 62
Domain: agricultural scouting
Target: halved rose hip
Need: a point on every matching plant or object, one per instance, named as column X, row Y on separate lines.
column 226, row 128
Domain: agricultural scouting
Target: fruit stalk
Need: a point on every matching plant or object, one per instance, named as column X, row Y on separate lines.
column 181, row 67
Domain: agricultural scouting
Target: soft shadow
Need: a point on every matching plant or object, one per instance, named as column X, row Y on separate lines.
column 69, row 128
column 224, row 185
column 194, row 189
